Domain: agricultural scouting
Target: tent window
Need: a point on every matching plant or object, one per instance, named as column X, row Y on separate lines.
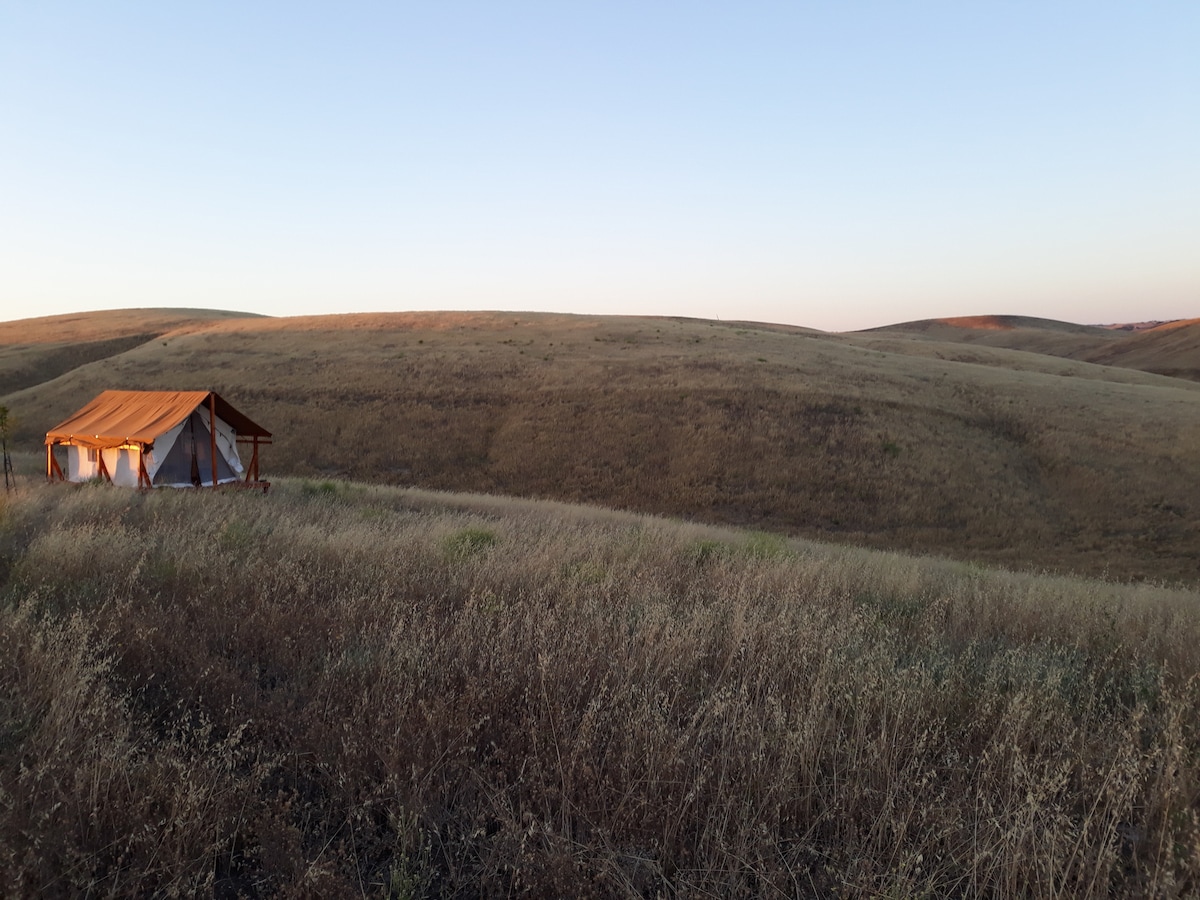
column 91, row 454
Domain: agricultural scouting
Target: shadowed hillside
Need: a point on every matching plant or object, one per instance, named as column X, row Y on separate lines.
column 999, row 456
column 1027, row 333
column 1172, row 348
column 37, row 350
column 1167, row 348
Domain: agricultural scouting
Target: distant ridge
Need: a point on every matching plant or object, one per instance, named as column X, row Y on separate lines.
column 40, row 349
column 1029, row 333
column 1139, row 326
column 1170, row 348
column 106, row 324
column 992, row 323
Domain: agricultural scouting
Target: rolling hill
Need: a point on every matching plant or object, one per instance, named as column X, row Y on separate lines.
column 1167, row 348
column 972, row 450
column 1172, row 348
column 36, row 350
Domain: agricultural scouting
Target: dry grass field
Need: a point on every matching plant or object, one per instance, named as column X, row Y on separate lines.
column 343, row 690
column 1172, row 348
column 1035, row 335
column 979, row 452
column 37, row 350
column 358, row 686
column 1169, row 348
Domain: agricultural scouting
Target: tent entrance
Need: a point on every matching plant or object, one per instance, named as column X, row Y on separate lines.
column 189, row 461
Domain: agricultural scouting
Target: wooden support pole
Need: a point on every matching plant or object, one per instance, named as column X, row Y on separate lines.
column 54, row 470
column 143, row 475
column 212, row 432
column 103, row 466
column 252, row 468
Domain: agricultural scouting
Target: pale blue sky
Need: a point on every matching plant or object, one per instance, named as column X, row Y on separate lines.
column 836, row 165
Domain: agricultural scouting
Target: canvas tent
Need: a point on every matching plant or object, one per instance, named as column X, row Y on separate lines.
column 156, row 439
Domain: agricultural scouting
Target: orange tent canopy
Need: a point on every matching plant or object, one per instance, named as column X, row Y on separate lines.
column 138, row 417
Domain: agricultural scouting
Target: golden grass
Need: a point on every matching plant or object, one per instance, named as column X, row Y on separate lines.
column 1026, row 333
column 41, row 349
column 988, row 454
column 1171, row 348
column 344, row 689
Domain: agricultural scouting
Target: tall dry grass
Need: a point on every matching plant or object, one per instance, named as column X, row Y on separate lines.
column 342, row 690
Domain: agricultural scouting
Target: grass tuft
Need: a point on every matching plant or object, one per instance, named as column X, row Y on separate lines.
column 469, row 541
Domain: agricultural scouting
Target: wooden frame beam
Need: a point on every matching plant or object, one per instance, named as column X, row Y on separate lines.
column 143, row 475
column 103, row 466
column 252, row 469
column 53, row 469
column 212, row 433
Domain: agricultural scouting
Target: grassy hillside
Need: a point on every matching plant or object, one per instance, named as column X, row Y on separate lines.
column 971, row 451
column 1027, row 333
column 341, row 690
column 1172, row 348
column 36, row 350
column 1168, row 348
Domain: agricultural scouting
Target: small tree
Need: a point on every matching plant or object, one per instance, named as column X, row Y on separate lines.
column 6, row 423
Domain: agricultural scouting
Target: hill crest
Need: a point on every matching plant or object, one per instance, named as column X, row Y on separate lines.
column 886, row 441
column 989, row 323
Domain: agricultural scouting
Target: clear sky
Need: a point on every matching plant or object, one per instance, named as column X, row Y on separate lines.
column 834, row 164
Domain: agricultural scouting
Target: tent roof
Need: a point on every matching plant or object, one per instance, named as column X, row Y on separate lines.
column 118, row 417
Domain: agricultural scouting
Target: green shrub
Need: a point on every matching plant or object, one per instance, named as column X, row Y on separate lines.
column 320, row 488
column 469, row 542
column 701, row 553
column 765, row 545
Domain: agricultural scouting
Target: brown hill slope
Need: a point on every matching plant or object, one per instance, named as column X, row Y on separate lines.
column 1168, row 348
column 39, row 349
column 1172, row 348
column 1027, row 460
column 1028, row 333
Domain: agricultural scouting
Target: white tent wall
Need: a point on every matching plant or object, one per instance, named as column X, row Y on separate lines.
column 122, row 465
column 83, row 464
column 79, row 466
column 227, row 444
